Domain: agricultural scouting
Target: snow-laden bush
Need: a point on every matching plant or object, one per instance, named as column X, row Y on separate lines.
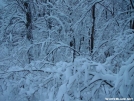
column 125, row 80
column 82, row 80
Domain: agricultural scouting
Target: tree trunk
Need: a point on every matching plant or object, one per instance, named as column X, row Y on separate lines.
column 29, row 28
column 74, row 54
column 29, row 21
column 93, row 30
column 131, row 8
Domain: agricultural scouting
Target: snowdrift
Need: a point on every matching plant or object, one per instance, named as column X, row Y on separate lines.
column 81, row 80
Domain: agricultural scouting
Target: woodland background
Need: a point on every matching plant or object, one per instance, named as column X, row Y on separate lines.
column 66, row 50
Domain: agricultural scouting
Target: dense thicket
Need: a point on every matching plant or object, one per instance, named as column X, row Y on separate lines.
column 71, row 50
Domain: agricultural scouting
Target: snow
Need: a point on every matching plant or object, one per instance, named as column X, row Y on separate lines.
column 62, row 90
column 55, row 62
column 2, row 4
column 60, row 79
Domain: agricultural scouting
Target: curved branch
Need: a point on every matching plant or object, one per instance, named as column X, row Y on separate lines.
column 89, row 85
column 60, row 47
column 106, row 8
column 21, row 5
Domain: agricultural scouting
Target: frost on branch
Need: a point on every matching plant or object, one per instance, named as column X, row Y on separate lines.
column 79, row 81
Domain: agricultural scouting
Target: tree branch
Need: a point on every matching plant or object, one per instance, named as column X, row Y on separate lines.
column 89, row 85
column 106, row 8
column 60, row 47
column 21, row 5
column 132, row 4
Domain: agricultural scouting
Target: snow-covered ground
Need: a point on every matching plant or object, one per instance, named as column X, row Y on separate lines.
column 81, row 80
